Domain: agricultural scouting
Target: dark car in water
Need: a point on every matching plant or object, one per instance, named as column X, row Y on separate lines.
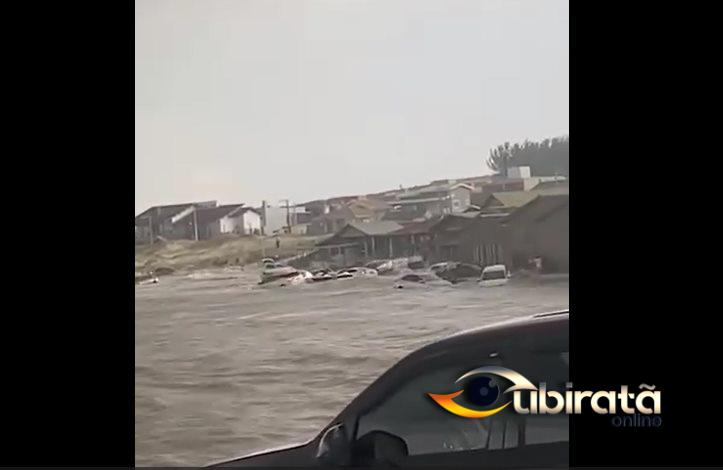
column 395, row 422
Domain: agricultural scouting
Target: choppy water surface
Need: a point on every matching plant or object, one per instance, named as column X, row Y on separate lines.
column 224, row 368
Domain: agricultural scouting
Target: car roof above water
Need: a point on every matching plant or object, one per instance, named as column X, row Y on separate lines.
column 494, row 267
column 516, row 327
column 519, row 333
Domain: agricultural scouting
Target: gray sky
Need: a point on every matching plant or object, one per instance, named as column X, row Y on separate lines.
column 244, row 100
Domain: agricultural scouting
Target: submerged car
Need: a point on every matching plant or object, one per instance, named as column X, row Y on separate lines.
column 356, row 272
column 396, row 421
column 455, row 272
column 149, row 281
column 437, row 267
column 321, row 275
column 494, row 275
column 381, row 265
column 284, row 276
column 418, row 279
column 415, row 262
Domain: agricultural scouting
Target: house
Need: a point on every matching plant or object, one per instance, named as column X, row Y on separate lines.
column 469, row 237
column 162, row 221
column 517, row 179
column 540, row 228
column 319, row 207
column 433, row 201
column 503, row 201
column 413, row 239
column 360, row 241
column 210, row 222
column 561, row 185
column 477, row 182
column 360, row 210
column 403, row 213
column 228, row 219
column 280, row 219
column 510, row 200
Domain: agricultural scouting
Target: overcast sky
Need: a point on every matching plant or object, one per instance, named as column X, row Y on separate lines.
column 244, row 100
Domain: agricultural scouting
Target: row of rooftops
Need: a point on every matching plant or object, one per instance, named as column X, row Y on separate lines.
column 369, row 205
column 543, row 204
column 436, row 188
column 206, row 212
column 475, row 183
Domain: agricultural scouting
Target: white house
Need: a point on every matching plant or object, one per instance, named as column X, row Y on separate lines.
column 276, row 219
column 226, row 219
column 244, row 221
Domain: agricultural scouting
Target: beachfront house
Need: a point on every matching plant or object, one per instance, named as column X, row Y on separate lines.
column 470, row 237
column 540, row 228
column 223, row 220
column 163, row 221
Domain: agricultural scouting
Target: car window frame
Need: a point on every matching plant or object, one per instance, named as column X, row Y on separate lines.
column 410, row 367
column 544, row 335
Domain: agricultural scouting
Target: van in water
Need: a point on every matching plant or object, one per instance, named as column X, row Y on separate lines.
column 495, row 275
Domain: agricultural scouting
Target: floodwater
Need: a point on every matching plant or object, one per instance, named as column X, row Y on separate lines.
column 225, row 368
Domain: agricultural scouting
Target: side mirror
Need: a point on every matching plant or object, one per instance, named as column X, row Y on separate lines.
column 380, row 448
column 334, row 448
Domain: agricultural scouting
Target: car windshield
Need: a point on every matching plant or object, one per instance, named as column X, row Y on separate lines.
column 494, row 274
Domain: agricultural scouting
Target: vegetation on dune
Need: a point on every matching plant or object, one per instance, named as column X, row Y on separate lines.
column 186, row 255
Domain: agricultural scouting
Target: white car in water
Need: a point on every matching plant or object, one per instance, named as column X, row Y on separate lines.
column 381, row 266
column 149, row 281
column 284, row 276
column 356, row 272
column 495, row 275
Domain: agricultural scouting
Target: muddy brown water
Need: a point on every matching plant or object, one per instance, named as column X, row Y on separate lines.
column 225, row 368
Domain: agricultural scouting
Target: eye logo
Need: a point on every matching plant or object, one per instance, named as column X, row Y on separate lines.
column 483, row 391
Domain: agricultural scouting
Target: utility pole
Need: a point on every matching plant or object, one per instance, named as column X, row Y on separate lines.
column 505, row 155
column 150, row 228
column 195, row 224
column 288, row 215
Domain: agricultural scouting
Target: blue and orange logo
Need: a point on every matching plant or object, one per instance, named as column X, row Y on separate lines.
column 482, row 390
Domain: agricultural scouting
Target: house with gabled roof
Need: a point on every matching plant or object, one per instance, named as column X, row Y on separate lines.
column 360, row 210
column 160, row 221
column 507, row 201
column 358, row 242
column 503, row 201
column 470, row 237
column 540, row 229
column 195, row 221
column 226, row 219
